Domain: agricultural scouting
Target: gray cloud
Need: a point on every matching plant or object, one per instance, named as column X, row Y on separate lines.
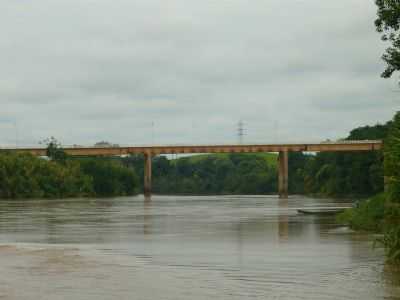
column 86, row 70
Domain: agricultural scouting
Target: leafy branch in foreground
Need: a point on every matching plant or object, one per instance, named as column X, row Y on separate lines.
column 388, row 23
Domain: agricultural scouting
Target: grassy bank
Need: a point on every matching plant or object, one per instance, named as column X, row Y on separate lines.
column 368, row 215
column 378, row 215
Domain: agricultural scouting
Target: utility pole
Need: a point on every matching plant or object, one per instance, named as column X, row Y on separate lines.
column 240, row 131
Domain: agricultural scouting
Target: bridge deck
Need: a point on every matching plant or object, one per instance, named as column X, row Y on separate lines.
column 178, row 149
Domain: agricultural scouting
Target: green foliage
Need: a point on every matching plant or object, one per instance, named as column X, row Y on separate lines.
column 26, row 176
column 54, row 150
column 391, row 241
column 212, row 174
column 346, row 174
column 328, row 174
column 388, row 23
column 110, row 178
column 369, row 215
column 297, row 165
column 382, row 213
column 391, row 238
column 376, row 132
column 269, row 158
column 392, row 160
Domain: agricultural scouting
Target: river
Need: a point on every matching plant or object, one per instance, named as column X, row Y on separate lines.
column 186, row 247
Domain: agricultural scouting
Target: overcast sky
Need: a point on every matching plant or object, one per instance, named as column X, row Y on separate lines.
column 85, row 71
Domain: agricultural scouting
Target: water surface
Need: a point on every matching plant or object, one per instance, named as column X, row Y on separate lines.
column 180, row 247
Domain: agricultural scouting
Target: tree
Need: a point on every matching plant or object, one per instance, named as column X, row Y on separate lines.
column 54, row 150
column 110, row 177
column 392, row 159
column 388, row 23
column 26, row 176
column 391, row 238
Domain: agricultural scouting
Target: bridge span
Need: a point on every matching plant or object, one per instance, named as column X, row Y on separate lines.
column 150, row 151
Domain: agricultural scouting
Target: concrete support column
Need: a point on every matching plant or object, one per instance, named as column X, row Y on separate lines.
column 283, row 187
column 147, row 174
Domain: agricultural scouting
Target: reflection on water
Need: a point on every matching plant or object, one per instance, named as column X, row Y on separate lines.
column 147, row 215
column 169, row 247
column 283, row 220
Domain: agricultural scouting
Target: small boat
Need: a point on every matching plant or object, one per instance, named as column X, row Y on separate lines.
column 321, row 211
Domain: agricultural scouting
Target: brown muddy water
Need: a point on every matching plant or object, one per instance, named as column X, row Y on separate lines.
column 180, row 247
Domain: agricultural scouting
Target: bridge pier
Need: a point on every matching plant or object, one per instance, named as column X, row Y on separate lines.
column 283, row 183
column 147, row 174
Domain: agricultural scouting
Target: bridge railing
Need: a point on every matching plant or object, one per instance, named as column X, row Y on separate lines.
column 75, row 146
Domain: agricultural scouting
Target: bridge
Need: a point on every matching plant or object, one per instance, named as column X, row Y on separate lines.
column 150, row 151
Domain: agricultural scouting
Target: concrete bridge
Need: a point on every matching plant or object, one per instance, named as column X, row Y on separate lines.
column 150, row 151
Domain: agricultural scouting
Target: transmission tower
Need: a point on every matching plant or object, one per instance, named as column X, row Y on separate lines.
column 240, row 131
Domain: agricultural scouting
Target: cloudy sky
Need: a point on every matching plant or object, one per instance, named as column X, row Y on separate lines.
column 186, row 71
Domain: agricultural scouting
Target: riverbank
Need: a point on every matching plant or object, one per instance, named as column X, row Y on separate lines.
column 377, row 215
column 381, row 213
column 368, row 215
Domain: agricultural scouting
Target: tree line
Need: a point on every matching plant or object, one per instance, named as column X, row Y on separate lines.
column 26, row 176
column 216, row 174
column 328, row 174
